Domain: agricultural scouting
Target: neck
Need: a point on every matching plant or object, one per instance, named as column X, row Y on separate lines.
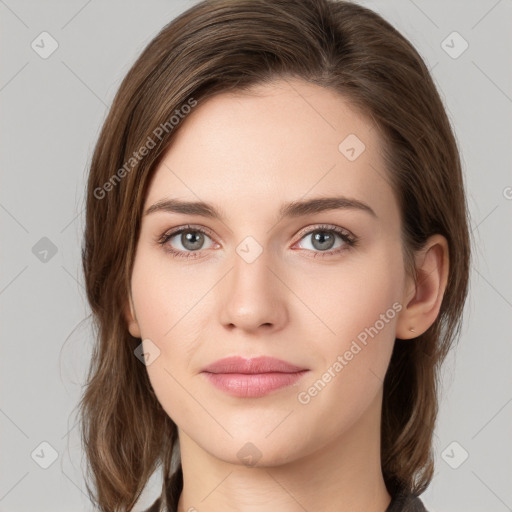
column 344, row 475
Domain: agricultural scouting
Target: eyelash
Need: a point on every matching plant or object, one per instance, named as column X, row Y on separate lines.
column 347, row 237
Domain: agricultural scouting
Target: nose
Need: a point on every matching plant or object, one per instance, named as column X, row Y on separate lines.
column 253, row 296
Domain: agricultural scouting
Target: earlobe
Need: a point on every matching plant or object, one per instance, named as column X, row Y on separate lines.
column 131, row 320
column 423, row 304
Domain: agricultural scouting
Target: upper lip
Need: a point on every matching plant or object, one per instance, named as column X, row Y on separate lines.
column 261, row 364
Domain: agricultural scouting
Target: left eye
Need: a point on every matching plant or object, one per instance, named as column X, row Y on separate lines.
column 324, row 240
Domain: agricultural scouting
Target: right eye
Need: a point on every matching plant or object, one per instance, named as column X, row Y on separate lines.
column 190, row 241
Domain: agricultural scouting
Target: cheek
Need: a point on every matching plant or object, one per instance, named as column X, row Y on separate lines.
column 358, row 304
column 163, row 297
column 164, row 305
column 353, row 295
column 169, row 301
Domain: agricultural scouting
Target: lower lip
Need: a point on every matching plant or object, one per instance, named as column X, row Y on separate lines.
column 252, row 385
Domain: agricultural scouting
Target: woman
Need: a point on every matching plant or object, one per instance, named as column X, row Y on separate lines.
column 276, row 255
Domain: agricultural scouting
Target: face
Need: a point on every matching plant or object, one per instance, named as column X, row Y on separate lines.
column 319, row 287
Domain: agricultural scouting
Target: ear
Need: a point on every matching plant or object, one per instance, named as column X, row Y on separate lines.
column 423, row 296
column 131, row 319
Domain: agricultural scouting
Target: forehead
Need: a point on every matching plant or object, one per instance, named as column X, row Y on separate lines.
column 279, row 141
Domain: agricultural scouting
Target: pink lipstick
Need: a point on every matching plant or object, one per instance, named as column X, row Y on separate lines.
column 251, row 378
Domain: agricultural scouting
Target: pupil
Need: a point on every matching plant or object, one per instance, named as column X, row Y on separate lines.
column 322, row 238
column 192, row 240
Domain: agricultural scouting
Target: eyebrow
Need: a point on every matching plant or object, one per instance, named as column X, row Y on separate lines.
column 292, row 209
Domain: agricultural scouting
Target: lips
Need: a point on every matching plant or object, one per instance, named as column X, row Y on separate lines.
column 252, row 378
column 263, row 364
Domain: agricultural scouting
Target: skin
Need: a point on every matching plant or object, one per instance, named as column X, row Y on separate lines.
column 247, row 153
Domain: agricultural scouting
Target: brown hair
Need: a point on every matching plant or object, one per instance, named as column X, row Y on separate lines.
column 226, row 45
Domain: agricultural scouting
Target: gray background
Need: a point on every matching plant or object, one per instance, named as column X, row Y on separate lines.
column 52, row 110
